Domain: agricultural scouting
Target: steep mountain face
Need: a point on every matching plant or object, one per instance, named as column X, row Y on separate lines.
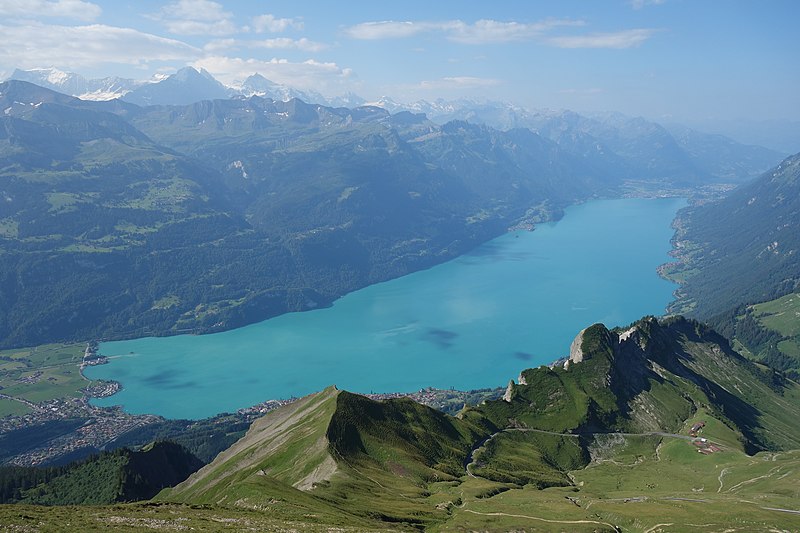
column 395, row 460
column 118, row 476
column 258, row 85
column 650, row 377
column 744, row 248
column 333, row 445
column 92, row 207
column 184, row 87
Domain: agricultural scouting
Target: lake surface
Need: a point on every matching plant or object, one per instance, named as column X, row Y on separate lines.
column 513, row 303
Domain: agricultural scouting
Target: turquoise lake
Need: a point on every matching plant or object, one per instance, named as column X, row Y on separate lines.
column 513, row 303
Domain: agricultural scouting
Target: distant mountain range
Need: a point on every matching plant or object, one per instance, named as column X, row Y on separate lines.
column 590, row 132
column 186, row 86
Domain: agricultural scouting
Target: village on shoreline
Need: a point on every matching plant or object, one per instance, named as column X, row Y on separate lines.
column 63, row 429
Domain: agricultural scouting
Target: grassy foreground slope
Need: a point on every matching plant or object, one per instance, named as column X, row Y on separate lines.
column 600, row 444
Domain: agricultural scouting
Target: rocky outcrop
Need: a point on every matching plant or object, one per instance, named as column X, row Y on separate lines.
column 575, row 350
column 509, row 391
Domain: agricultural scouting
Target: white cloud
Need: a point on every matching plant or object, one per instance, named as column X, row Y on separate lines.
column 219, row 45
column 196, row 17
column 278, row 43
column 198, row 27
column 74, row 9
column 327, row 78
column 195, row 10
column 37, row 45
column 481, row 32
column 389, row 29
column 639, row 4
column 492, row 31
column 272, row 24
column 620, row 39
column 284, row 42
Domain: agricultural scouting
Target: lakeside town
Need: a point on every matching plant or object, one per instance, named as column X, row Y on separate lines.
column 58, row 430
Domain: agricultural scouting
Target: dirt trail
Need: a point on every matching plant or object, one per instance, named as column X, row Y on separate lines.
column 549, row 521
column 721, row 475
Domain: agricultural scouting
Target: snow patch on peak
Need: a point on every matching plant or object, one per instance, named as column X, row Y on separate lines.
column 58, row 77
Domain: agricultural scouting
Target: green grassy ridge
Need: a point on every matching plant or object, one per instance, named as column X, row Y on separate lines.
column 401, row 431
column 750, row 399
column 286, row 445
column 592, row 394
column 665, row 373
column 382, row 480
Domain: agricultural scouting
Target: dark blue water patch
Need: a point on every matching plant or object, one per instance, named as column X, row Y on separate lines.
column 496, row 252
column 169, row 379
column 442, row 338
column 162, row 379
column 523, row 356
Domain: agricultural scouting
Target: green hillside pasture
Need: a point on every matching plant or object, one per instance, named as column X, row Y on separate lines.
column 790, row 347
column 67, row 201
column 677, row 489
column 41, row 373
column 781, row 315
column 12, row 407
column 731, row 489
column 526, row 457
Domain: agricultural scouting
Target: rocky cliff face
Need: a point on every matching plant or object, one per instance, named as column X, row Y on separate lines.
column 575, row 350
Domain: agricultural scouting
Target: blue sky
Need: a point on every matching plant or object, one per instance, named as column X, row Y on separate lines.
column 662, row 59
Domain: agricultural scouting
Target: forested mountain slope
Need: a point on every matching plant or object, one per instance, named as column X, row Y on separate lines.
column 117, row 476
column 743, row 249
